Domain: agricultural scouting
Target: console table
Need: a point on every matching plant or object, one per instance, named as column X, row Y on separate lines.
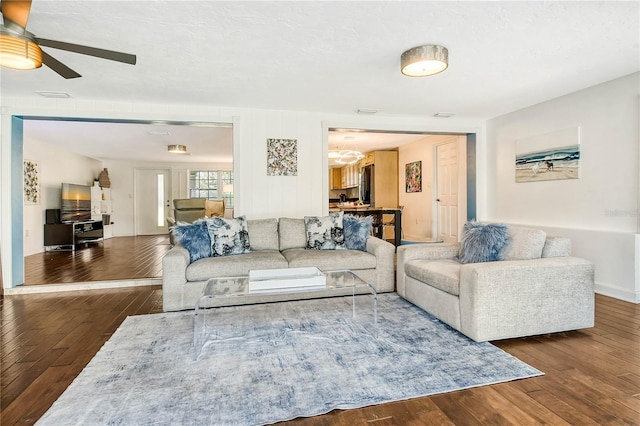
column 72, row 234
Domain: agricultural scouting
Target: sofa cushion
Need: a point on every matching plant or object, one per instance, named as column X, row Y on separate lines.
column 263, row 234
column 442, row 274
column 228, row 236
column 326, row 232
column 292, row 233
column 194, row 237
column 555, row 246
column 235, row 265
column 330, row 260
column 356, row 231
column 523, row 244
column 481, row 242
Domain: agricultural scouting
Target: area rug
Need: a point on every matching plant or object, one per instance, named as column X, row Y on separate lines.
column 294, row 359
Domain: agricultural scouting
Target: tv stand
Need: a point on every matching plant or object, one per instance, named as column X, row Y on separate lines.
column 73, row 234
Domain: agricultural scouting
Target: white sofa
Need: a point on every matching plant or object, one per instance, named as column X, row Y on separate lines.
column 274, row 244
column 545, row 290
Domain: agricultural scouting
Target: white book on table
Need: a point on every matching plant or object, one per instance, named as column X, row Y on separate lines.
column 290, row 279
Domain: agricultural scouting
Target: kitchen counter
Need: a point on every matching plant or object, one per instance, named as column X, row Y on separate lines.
column 377, row 213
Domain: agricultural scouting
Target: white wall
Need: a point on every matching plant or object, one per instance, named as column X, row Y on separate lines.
column 599, row 210
column 56, row 166
column 257, row 195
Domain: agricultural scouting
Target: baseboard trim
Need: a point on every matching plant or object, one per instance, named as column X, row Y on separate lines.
column 616, row 293
column 88, row 285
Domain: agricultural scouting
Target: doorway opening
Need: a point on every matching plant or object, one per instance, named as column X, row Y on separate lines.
column 75, row 149
column 416, row 153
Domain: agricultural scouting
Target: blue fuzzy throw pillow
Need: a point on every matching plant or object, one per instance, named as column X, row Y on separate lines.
column 481, row 242
column 194, row 237
column 356, row 231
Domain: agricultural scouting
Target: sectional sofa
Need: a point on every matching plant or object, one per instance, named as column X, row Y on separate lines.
column 275, row 243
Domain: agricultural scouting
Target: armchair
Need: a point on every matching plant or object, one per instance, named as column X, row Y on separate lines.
column 188, row 209
column 539, row 290
column 215, row 207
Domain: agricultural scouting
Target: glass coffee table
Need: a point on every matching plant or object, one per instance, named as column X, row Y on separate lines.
column 262, row 287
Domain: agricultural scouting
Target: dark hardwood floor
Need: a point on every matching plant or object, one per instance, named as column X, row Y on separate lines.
column 592, row 377
column 119, row 258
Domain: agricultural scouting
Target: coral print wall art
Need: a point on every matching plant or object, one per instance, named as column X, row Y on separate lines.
column 282, row 157
column 413, row 176
column 31, row 182
column 552, row 156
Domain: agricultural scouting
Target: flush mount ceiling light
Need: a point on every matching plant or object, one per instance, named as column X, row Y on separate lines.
column 422, row 61
column 19, row 51
column 177, row 149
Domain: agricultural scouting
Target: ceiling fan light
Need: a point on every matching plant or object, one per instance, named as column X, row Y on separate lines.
column 422, row 61
column 177, row 149
column 19, row 52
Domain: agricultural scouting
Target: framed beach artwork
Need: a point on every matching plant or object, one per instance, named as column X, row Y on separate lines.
column 31, row 171
column 282, row 157
column 551, row 156
column 413, row 177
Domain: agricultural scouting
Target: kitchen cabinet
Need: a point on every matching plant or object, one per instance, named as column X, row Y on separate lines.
column 335, row 178
column 345, row 177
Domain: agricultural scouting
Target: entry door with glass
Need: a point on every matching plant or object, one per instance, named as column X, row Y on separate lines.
column 151, row 201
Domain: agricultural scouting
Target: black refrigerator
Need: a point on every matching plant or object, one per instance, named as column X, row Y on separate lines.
column 366, row 185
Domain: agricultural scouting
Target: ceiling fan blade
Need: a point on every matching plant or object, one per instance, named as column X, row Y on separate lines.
column 16, row 11
column 58, row 66
column 92, row 51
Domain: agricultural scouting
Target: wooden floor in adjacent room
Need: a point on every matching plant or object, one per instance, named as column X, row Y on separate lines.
column 592, row 377
column 118, row 258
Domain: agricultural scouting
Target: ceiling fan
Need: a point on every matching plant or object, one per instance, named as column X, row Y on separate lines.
column 20, row 49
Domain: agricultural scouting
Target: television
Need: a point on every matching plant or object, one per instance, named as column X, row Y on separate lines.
column 76, row 203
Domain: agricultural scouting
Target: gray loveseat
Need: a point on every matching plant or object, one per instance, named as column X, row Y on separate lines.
column 274, row 244
column 540, row 288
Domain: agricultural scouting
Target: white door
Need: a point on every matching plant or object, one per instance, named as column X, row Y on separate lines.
column 447, row 194
column 151, row 195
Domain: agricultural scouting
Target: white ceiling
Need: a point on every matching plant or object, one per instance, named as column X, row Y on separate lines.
column 334, row 57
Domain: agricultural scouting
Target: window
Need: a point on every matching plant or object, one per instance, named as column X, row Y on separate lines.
column 211, row 184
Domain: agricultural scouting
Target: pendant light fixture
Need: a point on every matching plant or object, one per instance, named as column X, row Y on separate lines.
column 422, row 61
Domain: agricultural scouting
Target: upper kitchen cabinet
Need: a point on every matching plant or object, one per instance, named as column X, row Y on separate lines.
column 345, row 177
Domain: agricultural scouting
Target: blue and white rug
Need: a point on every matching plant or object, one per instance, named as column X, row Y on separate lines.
column 301, row 358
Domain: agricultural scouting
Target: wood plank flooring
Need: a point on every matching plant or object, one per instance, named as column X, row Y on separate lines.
column 592, row 376
column 118, row 258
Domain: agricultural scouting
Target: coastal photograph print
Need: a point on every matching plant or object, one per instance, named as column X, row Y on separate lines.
column 282, row 157
column 552, row 156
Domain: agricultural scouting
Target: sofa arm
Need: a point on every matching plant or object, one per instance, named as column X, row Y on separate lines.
column 174, row 277
column 526, row 297
column 384, row 253
column 430, row 251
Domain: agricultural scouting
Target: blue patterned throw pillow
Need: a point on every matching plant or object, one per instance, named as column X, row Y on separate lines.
column 356, row 231
column 481, row 242
column 194, row 237
column 228, row 236
column 325, row 233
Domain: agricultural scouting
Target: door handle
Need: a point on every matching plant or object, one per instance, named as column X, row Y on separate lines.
column 438, row 200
